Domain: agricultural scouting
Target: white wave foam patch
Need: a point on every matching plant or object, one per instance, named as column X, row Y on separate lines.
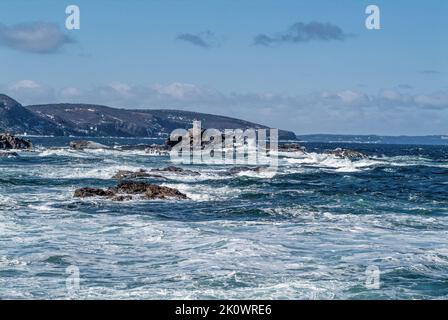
column 87, row 172
column 7, row 202
column 247, row 248
column 42, row 208
column 293, row 154
column 262, row 174
column 116, row 152
column 8, row 262
column 185, row 177
column 86, row 153
column 334, row 163
column 409, row 161
column 199, row 192
column 63, row 152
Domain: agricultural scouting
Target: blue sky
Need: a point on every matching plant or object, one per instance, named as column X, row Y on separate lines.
column 202, row 55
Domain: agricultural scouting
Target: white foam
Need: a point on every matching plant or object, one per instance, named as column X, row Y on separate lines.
column 199, row 192
column 62, row 153
column 67, row 152
column 42, row 208
column 87, row 172
column 262, row 174
column 332, row 162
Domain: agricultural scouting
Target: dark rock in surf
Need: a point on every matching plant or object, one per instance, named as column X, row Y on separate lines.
column 177, row 170
column 92, row 192
column 140, row 174
column 121, row 198
column 149, row 191
column 236, row 170
column 8, row 141
column 8, row 154
column 83, row 144
column 130, row 190
column 158, row 149
column 290, row 147
column 347, row 153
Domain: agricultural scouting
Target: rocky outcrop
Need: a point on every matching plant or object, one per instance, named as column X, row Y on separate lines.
column 132, row 190
column 347, row 153
column 83, row 144
column 177, row 170
column 8, row 141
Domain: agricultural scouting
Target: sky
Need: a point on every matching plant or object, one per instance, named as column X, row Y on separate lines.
column 305, row 66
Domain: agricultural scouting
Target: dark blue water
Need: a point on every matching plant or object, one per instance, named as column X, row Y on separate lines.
column 308, row 231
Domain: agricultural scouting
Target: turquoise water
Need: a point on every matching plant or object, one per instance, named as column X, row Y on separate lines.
column 307, row 232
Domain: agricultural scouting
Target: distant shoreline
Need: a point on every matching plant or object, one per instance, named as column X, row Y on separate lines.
column 375, row 139
column 317, row 138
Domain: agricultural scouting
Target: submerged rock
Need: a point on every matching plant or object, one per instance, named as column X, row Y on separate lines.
column 141, row 174
column 236, row 170
column 347, row 153
column 133, row 147
column 154, row 149
column 129, row 190
column 8, row 141
column 83, row 144
column 177, row 170
column 157, row 149
column 8, row 154
column 290, row 147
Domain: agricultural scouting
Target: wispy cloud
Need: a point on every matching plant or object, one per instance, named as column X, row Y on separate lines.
column 303, row 32
column 34, row 37
column 206, row 39
column 405, row 86
column 430, row 72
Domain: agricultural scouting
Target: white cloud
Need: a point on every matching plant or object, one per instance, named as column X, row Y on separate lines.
column 34, row 37
column 29, row 91
column 179, row 90
column 24, row 84
column 70, row 92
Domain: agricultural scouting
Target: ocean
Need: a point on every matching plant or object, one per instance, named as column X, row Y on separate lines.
column 313, row 230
